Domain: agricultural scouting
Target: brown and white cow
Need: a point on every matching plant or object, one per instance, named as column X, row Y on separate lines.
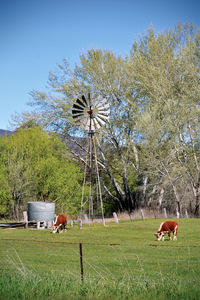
column 60, row 222
column 167, row 227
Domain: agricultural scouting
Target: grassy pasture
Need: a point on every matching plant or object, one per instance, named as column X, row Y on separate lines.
column 120, row 261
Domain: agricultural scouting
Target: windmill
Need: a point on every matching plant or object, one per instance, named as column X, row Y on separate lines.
column 91, row 116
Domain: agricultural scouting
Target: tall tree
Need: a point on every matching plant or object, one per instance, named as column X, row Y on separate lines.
column 166, row 68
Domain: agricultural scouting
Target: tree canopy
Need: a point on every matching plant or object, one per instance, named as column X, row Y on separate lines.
column 35, row 166
column 151, row 145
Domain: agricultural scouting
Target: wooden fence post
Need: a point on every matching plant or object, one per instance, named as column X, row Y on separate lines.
column 80, row 224
column 38, row 224
column 115, row 216
column 25, row 219
column 49, row 224
column 142, row 214
column 86, row 218
column 165, row 213
column 81, row 261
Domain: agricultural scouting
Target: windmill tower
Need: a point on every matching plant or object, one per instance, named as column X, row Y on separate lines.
column 91, row 115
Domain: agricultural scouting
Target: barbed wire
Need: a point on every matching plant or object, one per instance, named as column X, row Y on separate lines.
column 101, row 244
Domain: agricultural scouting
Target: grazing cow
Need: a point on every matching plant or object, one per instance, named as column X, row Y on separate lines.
column 167, row 227
column 60, row 222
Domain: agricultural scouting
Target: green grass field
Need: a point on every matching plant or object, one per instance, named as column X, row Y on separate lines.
column 120, row 261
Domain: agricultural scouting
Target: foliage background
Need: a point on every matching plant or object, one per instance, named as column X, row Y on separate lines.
column 149, row 152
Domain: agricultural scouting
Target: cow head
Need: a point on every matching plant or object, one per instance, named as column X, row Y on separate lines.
column 55, row 229
column 159, row 235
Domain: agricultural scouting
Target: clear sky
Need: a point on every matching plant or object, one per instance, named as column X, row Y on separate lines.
column 36, row 35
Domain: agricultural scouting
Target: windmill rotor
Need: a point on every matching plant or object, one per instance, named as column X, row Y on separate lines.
column 90, row 114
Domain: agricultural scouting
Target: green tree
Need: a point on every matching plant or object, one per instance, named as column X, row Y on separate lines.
column 166, row 68
column 36, row 167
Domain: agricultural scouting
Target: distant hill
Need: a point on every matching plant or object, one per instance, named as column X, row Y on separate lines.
column 5, row 132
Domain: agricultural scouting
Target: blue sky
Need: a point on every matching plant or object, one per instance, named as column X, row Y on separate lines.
column 36, row 35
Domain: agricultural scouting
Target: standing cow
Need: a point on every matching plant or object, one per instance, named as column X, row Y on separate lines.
column 60, row 223
column 167, row 227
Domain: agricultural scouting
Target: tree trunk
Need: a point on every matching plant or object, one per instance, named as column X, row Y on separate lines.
column 197, row 207
column 160, row 199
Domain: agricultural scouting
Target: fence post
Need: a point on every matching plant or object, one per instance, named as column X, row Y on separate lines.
column 81, row 261
column 165, row 213
column 49, row 224
column 115, row 216
column 80, row 224
column 142, row 214
column 86, row 218
column 186, row 213
column 38, row 224
column 25, row 219
column 71, row 223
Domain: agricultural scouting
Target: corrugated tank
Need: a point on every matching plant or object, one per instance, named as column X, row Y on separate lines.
column 41, row 211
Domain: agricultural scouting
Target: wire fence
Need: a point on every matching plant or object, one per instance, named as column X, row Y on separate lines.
column 85, row 261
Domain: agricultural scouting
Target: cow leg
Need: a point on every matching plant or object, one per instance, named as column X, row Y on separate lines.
column 61, row 230
column 175, row 233
column 169, row 235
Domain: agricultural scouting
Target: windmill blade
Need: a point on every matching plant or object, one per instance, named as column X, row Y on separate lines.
column 78, row 107
column 87, row 124
column 96, row 124
column 85, row 101
column 105, row 106
column 95, row 103
column 101, row 109
column 80, row 102
column 77, row 116
column 100, row 121
column 103, row 120
column 99, row 124
column 83, row 123
column 101, row 102
column 103, row 114
column 93, row 127
column 74, row 111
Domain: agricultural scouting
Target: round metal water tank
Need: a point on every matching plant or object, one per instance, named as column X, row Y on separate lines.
column 41, row 211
